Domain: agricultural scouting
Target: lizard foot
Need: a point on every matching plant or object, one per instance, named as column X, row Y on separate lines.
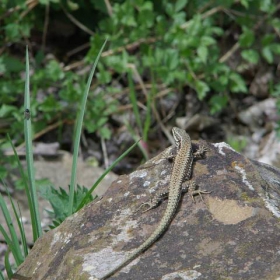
column 149, row 203
column 192, row 188
column 202, row 149
column 199, row 192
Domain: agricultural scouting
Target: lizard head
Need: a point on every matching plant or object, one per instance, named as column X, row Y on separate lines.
column 177, row 135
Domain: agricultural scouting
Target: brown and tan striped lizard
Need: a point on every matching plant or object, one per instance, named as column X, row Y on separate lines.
column 181, row 171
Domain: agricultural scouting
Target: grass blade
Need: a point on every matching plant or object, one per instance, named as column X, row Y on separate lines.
column 22, row 232
column 29, row 158
column 20, row 225
column 26, row 191
column 8, row 265
column 12, row 242
column 133, row 100
column 78, row 130
column 141, row 143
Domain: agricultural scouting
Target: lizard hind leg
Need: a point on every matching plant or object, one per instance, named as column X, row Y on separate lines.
column 154, row 202
column 199, row 192
column 191, row 187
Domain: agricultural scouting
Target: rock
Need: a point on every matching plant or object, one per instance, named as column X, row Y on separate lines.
column 257, row 115
column 58, row 172
column 261, row 83
column 232, row 234
column 197, row 122
column 269, row 150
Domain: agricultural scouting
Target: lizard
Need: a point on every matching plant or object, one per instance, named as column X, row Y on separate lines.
column 181, row 171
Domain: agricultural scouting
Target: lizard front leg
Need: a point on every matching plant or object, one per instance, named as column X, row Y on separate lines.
column 158, row 198
column 202, row 149
column 189, row 186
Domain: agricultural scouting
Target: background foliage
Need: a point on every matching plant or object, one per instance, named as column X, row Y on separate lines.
column 212, row 48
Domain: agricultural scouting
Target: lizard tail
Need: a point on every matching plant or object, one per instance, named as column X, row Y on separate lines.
column 163, row 225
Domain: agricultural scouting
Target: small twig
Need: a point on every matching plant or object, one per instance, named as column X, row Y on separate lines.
column 229, row 53
column 109, row 7
column 205, row 6
column 277, row 31
column 127, row 47
column 78, row 49
column 30, row 4
column 171, row 113
column 76, row 22
column 130, row 46
column 105, row 154
column 204, row 16
column 237, row 13
column 42, row 132
column 139, row 78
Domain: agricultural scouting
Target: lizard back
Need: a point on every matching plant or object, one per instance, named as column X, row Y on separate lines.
column 181, row 170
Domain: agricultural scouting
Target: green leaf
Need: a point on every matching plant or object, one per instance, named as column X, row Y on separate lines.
column 245, row 3
column 50, row 104
column 276, row 91
column 104, row 76
column 275, row 48
column 12, row 31
column 11, row 64
column 7, row 110
column 267, row 54
column 201, row 88
column 237, row 83
column 2, row 66
column 169, row 9
column 59, row 200
column 250, row 55
column 266, row 6
column 3, row 172
column 180, row 4
column 207, row 41
column 247, row 38
column 276, row 23
column 146, row 6
column 202, row 52
column 267, row 40
column 105, row 133
column 218, row 102
column 146, row 19
column 54, row 71
column 195, row 25
column 171, row 59
column 72, row 5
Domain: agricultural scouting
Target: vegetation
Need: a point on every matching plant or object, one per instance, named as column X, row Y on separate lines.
column 155, row 50
column 64, row 204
